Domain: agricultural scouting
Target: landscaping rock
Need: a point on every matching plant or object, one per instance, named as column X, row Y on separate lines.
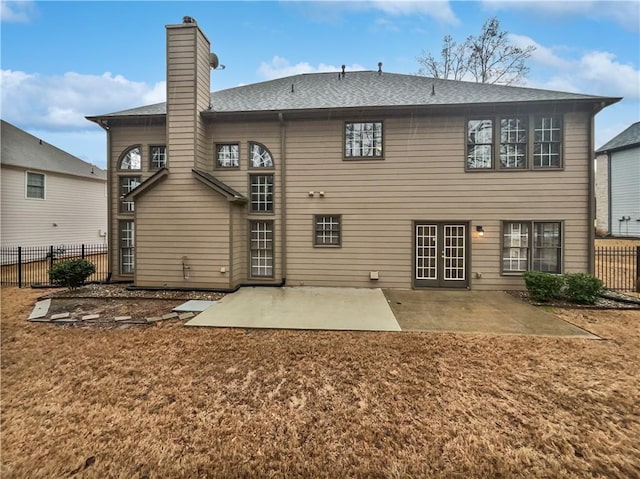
column 90, row 317
column 60, row 316
column 122, row 318
column 170, row 316
column 40, row 309
column 187, row 315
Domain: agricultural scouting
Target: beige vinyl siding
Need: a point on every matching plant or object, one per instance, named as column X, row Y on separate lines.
column 175, row 220
column 239, row 241
column 268, row 134
column 422, row 177
column 77, row 206
column 121, row 139
column 602, row 194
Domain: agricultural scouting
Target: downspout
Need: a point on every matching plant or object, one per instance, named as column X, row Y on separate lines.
column 110, row 250
column 609, row 218
column 283, row 200
column 592, row 198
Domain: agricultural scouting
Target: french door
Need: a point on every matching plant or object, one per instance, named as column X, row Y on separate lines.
column 440, row 254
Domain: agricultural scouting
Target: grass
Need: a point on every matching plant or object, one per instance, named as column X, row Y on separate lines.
column 168, row 401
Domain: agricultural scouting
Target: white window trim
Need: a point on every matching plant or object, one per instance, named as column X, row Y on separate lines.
column 26, row 185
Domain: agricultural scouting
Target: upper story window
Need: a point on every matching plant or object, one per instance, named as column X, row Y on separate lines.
column 521, row 142
column 158, row 157
column 131, row 160
column 363, row 140
column 480, row 144
column 35, row 186
column 259, row 156
column 228, row 156
column 127, row 184
column 546, row 142
column 261, row 193
column 513, row 142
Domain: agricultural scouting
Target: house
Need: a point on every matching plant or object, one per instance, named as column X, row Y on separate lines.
column 49, row 197
column 618, row 184
column 351, row 179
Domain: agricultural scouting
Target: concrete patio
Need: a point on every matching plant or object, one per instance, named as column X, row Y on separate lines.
column 358, row 309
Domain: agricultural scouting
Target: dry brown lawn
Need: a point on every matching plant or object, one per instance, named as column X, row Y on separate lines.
column 169, row 401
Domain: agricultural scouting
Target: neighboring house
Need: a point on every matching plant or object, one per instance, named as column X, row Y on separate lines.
column 618, row 184
column 365, row 179
column 49, row 197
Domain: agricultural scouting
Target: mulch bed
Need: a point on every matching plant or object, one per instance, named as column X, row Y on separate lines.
column 609, row 300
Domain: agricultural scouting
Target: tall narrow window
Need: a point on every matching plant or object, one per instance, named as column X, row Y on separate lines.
column 228, row 156
column 363, row 140
column 546, row 142
column 480, row 144
column 261, row 249
column 131, row 160
column 127, row 246
column 158, row 157
column 532, row 246
column 261, row 193
column 35, row 185
column 513, row 142
column 127, row 183
column 260, row 157
column 327, row 230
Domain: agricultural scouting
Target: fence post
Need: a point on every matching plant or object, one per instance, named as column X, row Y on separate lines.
column 19, row 266
column 637, row 269
column 82, row 250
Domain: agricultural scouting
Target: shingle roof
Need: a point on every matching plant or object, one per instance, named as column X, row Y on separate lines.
column 21, row 149
column 627, row 139
column 362, row 89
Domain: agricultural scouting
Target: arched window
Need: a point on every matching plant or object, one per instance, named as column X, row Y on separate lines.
column 259, row 156
column 131, row 160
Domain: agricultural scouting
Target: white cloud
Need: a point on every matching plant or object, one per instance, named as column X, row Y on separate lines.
column 594, row 72
column 625, row 12
column 280, row 67
column 16, row 12
column 438, row 9
column 61, row 102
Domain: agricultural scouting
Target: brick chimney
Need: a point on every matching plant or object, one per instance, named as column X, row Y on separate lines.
column 188, row 93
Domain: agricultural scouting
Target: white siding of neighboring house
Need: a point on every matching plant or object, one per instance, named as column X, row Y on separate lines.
column 625, row 192
column 77, row 206
column 602, row 194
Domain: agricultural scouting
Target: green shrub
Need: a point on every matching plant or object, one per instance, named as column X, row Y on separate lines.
column 543, row 286
column 71, row 273
column 583, row 288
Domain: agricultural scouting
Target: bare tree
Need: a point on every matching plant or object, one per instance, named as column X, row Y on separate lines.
column 487, row 58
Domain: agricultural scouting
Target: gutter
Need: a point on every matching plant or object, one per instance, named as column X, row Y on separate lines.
column 591, row 213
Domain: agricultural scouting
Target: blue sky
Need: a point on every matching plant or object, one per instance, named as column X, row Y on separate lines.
column 61, row 61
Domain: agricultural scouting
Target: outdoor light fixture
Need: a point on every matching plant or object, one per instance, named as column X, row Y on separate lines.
column 480, row 230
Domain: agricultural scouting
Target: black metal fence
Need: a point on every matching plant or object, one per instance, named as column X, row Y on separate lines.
column 619, row 267
column 29, row 265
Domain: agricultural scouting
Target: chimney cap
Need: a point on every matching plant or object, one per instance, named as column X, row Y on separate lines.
column 187, row 19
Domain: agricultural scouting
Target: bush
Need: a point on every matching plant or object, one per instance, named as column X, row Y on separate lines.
column 583, row 288
column 543, row 286
column 71, row 273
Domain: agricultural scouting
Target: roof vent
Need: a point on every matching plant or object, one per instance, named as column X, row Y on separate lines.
column 433, row 90
column 189, row 20
column 379, row 68
column 343, row 73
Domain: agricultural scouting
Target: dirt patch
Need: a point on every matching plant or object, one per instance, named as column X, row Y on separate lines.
column 201, row 402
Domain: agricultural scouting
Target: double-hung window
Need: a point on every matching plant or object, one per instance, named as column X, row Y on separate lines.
column 127, row 183
column 327, row 230
column 228, row 156
column 261, row 193
column 363, row 140
column 261, row 249
column 547, row 142
column 35, row 185
column 480, row 144
column 127, row 245
column 514, row 142
column 158, row 155
column 532, row 246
